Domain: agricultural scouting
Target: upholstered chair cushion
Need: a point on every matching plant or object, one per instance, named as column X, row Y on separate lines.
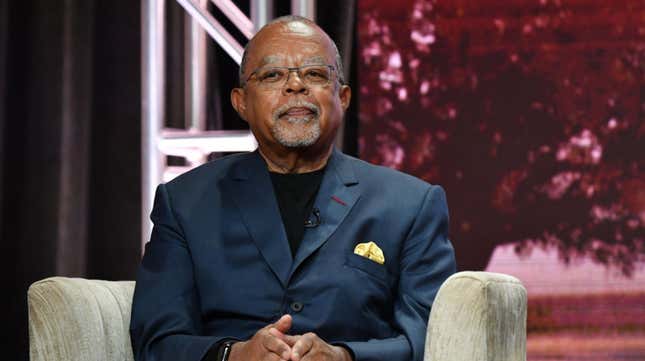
column 78, row 319
column 478, row 316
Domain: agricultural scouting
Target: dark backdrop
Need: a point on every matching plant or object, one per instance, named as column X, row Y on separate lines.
column 70, row 109
column 70, row 146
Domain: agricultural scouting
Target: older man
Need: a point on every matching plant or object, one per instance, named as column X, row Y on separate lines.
column 295, row 251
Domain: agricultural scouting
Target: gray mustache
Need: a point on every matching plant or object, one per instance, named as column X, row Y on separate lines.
column 297, row 104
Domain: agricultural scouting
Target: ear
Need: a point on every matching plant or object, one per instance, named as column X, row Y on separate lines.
column 238, row 100
column 345, row 94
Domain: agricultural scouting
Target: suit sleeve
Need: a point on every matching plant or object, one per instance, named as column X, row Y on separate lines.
column 166, row 320
column 427, row 260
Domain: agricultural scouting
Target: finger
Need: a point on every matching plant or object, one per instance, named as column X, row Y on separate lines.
column 276, row 345
column 276, row 333
column 273, row 357
column 291, row 339
column 302, row 346
column 284, row 323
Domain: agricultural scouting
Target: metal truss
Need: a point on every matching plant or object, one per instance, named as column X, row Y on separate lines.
column 194, row 143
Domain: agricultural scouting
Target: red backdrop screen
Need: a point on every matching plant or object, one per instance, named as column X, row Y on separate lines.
column 531, row 114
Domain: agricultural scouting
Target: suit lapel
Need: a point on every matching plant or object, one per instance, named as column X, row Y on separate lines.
column 336, row 197
column 250, row 187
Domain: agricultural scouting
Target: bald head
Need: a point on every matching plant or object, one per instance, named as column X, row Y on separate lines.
column 295, row 24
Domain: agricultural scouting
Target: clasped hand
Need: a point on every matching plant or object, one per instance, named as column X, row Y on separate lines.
column 272, row 343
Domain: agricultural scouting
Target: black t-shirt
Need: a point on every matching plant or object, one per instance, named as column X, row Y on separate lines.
column 296, row 194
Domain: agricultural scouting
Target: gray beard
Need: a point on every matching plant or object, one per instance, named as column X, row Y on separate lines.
column 296, row 132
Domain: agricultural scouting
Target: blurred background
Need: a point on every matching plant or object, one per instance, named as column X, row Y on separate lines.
column 530, row 113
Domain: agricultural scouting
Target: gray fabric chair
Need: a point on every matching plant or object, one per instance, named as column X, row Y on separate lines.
column 478, row 316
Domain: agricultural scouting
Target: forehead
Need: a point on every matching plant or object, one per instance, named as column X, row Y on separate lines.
column 292, row 43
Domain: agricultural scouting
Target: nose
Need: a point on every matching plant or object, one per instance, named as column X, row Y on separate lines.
column 294, row 84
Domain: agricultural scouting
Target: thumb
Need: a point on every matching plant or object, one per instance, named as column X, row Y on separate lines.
column 283, row 324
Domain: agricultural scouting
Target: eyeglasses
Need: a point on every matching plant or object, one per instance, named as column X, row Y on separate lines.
column 272, row 77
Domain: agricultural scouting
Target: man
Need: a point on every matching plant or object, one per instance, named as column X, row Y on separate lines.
column 295, row 251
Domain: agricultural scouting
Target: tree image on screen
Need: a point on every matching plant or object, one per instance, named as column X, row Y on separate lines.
column 532, row 116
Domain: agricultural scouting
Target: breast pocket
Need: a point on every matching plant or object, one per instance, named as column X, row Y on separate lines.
column 369, row 267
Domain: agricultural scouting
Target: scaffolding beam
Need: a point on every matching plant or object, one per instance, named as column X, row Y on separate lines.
column 152, row 107
column 261, row 13
column 214, row 29
column 304, row 8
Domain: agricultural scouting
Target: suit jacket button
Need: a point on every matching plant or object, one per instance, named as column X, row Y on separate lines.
column 296, row 306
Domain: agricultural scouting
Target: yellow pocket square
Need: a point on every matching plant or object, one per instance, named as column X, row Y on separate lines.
column 370, row 250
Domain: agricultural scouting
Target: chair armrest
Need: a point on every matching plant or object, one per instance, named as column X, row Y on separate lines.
column 478, row 316
column 79, row 319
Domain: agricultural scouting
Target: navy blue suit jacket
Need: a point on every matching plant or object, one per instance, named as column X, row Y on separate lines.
column 218, row 264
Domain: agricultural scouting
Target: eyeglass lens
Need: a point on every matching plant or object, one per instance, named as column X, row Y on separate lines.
column 315, row 75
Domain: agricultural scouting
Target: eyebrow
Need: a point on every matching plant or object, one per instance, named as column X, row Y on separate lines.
column 271, row 59
column 315, row 60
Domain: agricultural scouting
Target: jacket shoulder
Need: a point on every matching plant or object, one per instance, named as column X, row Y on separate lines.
column 372, row 175
column 207, row 173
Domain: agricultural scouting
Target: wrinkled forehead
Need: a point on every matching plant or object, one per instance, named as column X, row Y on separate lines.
column 290, row 44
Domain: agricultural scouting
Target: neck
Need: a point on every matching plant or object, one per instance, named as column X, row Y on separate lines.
column 295, row 160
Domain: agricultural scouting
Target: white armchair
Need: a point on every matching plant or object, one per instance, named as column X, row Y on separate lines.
column 478, row 316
